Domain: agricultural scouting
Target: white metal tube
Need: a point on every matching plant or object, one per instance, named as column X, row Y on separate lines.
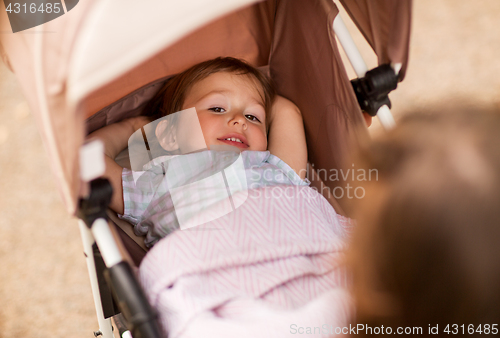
column 106, row 242
column 384, row 113
column 385, row 117
column 349, row 47
column 105, row 326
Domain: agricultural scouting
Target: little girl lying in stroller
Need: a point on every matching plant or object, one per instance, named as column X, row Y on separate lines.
column 273, row 267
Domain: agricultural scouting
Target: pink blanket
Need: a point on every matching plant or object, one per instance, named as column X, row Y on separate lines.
column 271, row 268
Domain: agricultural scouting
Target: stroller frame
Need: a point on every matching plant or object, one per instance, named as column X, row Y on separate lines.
column 124, row 285
column 119, row 275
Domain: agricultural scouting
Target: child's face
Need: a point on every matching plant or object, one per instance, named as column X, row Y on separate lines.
column 229, row 106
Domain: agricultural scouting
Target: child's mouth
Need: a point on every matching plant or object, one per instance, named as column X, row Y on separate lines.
column 234, row 141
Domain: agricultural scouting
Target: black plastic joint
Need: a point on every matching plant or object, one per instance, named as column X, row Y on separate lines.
column 132, row 301
column 96, row 204
column 372, row 91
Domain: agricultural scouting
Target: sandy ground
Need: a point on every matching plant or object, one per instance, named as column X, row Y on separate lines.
column 44, row 286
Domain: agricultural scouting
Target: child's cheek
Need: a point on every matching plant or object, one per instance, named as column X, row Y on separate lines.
column 204, row 127
column 259, row 140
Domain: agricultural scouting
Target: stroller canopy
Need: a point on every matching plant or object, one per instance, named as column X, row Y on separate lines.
column 100, row 51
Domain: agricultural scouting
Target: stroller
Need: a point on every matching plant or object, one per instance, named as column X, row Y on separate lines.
column 107, row 59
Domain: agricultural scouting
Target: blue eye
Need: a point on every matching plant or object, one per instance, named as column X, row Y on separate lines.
column 217, row 109
column 252, row 118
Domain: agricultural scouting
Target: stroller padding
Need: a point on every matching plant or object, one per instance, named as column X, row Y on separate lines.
column 133, row 244
column 128, row 106
column 316, row 81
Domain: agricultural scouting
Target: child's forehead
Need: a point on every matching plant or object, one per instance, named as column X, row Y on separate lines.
column 228, row 82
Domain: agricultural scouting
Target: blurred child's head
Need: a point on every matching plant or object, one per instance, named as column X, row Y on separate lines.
column 232, row 100
column 426, row 247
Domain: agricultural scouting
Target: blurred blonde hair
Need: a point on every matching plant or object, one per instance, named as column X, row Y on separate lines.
column 426, row 249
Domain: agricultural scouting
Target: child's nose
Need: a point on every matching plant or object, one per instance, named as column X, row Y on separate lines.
column 238, row 119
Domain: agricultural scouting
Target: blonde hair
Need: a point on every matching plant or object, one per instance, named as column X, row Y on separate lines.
column 426, row 247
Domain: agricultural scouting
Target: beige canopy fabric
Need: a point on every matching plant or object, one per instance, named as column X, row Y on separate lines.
column 244, row 34
column 385, row 24
column 72, row 67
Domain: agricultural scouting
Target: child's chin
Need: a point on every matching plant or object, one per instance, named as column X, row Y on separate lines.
column 254, row 149
column 225, row 147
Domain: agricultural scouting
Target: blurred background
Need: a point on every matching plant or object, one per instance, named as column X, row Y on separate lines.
column 44, row 285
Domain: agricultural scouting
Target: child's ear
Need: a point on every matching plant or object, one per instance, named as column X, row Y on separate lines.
column 168, row 141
